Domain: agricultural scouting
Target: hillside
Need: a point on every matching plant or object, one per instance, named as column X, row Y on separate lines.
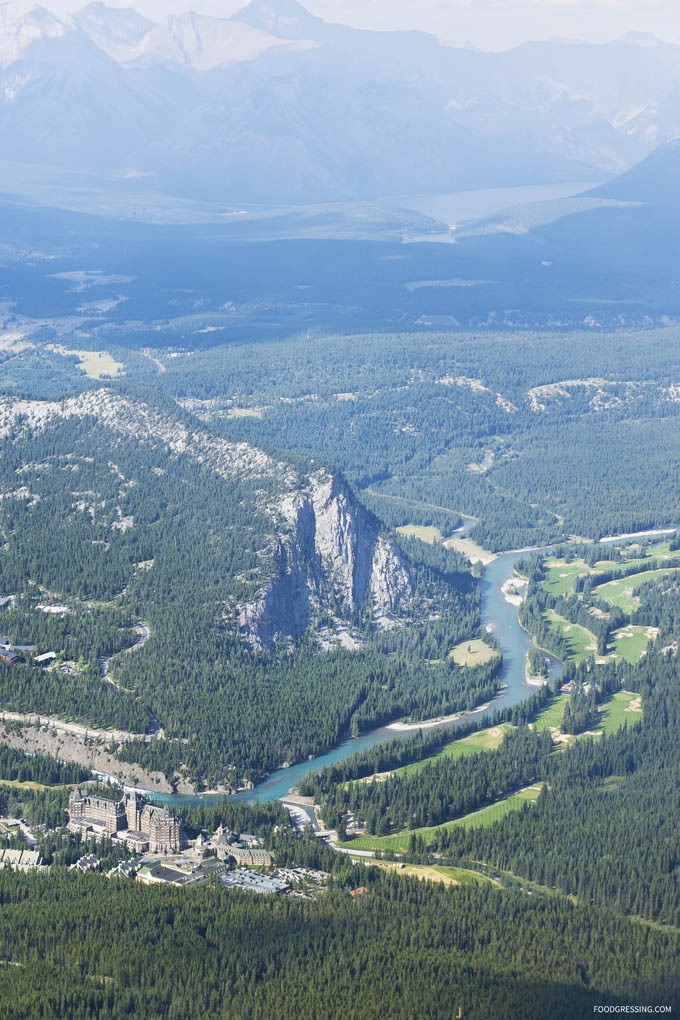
column 653, row 181
column 261, row 585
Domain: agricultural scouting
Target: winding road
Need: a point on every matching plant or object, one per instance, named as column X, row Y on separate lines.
column 104, row 666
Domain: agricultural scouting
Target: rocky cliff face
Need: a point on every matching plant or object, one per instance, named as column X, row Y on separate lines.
column 325, row 558
column 330, row 557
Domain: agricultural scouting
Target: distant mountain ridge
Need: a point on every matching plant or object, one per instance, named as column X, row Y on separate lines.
column 654, row 181
column 277, row 105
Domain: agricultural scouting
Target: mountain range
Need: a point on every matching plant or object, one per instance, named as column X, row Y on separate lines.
column 275, row 105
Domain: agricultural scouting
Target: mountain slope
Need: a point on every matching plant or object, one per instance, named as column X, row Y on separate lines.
column 275, row 105
column 653, row 181
column 279, row 614
column 115, row 30
column 318, row 547
column 199, row 43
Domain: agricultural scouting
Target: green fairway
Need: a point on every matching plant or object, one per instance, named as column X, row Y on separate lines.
column 472, row 653
column 399, row 843
column 551, row 717
column 581, row 643
column 561, row 575
column 484, row 740
column 621, row 592
column 426, row 533
column 623, row 708
column 630, row 643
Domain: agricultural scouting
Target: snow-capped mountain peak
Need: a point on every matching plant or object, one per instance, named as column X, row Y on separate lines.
column 115, row 30
column 200, row 43
column 23, row 23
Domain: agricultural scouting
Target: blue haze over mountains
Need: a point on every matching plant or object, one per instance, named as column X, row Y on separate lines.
column 276, row 105
column 276, row 126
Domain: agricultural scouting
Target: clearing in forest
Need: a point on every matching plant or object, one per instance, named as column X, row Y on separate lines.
column 426, row 533
column 621, row 592
column 551, row 717
column 95, row 364
column 630, row 643
column 482, row 740
column 436, row 873
column 472, row 653
column 399, row 843
column 561, row 576
column 622, row 709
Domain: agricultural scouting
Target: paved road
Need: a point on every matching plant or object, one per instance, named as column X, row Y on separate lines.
column 301, row 814
column 352, row 853
column 144, row 635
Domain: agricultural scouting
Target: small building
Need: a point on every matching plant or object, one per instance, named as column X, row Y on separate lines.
column 9, row 656
column 226, row 844
column 45, row 659
column 124, row 869
column 200, row 847
column 249, row 840
column 88, row 863
column 182, row 872
column 22, row 860
column 137, row 842
column 160, row 874
column 250, row 858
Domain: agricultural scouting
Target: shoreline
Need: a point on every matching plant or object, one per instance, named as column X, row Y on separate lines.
column 429, row 724
column 535, row 681
column 637, row 534
column 472, row 552
column 426, row 724
column 514, row 598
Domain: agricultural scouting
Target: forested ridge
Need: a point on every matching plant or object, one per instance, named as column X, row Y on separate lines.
column 109, row 530
column 443, row 789
column 405, row 415
column 86, row 947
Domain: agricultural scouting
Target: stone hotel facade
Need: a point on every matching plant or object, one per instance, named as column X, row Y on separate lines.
column 142, row 826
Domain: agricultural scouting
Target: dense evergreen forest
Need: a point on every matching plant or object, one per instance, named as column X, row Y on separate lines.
column 131, row 560
column 607, row 823
column 406, row 415
column 108, row 531
column 428, row 424
column 85, row 947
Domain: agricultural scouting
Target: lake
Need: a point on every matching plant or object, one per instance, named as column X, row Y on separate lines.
column 457, row 206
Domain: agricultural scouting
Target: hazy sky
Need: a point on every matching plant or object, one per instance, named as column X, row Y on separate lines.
column 490, row 24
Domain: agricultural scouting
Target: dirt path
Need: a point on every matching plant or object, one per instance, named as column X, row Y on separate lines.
column 159, row 364
column 74, row 729
column 414, row 502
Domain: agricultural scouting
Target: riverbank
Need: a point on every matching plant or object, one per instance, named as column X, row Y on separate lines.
column 499, row 618
column 637, row 534
column 474, row 553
